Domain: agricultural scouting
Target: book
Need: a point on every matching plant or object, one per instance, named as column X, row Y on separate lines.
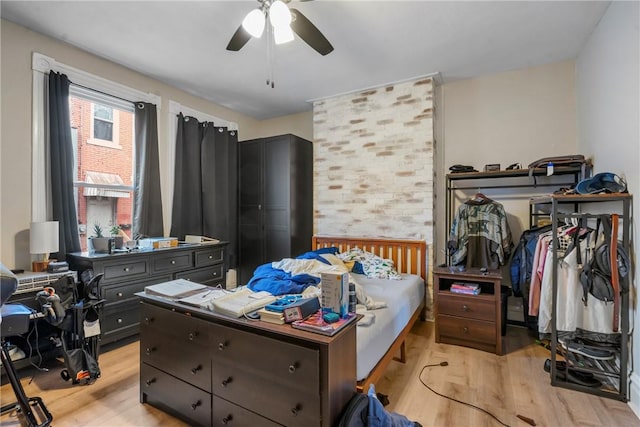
column 204, row 299
column 271, row 316
column 242, row 302
column 315, row 323
column 178, row 288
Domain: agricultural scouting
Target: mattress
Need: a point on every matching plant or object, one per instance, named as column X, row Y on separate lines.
column 403, row 298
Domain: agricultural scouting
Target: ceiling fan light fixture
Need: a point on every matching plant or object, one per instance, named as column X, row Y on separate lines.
column 282, row 34
column 279, row 14
column 254, row 23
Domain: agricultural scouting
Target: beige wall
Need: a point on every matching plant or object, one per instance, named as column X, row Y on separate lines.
column 17, row 46
column 608, row 93
column 517, row 116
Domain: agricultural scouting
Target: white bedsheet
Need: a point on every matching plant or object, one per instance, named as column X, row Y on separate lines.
column 403, row 298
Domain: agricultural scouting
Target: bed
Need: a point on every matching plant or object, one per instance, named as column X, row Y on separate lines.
column 384, row 340
column 392, row 303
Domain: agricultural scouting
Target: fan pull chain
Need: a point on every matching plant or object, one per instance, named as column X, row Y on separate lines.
column 270, row 56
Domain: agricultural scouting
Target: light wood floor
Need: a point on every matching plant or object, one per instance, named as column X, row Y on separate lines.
column 503, row 385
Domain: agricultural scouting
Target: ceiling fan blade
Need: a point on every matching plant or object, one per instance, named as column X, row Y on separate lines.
column 309, row 33
column 239, row 39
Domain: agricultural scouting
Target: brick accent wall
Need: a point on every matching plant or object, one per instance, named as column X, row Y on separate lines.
column 373, row 163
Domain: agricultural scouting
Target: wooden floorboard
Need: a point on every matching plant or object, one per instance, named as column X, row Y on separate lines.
column 503, row 385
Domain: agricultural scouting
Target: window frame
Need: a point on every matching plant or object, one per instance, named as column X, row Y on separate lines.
column 41, row 66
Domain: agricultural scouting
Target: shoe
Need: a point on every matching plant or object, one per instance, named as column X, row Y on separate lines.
column 590, row 351
column 571, row 375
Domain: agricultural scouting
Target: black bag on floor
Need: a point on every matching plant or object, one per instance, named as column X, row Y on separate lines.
column 81, row 367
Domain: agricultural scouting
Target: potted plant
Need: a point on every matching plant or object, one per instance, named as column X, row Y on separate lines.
column 115, row 233
column 99, row 243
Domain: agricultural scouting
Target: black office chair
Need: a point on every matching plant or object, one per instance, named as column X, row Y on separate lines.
column 14, row 320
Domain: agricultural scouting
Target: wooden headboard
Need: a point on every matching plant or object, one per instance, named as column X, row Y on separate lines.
column 409, row 256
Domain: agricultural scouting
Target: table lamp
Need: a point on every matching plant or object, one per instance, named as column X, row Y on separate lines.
column 43, row 240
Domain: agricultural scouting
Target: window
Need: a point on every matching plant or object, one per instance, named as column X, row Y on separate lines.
column 103, row 171
column 102, row 122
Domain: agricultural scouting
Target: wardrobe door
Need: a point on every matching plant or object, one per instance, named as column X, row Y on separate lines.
column 250, row 183
column 301, row 195
column 277, row 185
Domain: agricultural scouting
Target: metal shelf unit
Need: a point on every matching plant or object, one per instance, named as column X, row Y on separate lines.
column 614, row 376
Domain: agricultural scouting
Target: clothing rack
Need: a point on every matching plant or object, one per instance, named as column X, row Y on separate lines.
column 607, row 371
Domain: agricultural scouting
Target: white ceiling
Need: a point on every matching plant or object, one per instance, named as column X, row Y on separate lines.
column 182, row 43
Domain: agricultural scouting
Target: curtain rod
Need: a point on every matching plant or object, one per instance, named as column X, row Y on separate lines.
column 103, row 93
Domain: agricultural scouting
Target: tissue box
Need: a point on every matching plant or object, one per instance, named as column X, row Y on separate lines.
column 335, row 292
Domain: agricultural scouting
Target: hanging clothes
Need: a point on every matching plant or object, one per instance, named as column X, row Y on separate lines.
column 480, row 235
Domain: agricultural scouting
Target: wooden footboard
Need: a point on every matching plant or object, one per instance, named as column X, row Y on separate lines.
column 410, row 257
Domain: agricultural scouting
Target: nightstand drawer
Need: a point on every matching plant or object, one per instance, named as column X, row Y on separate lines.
column 473, row 307
column 467, row 329
column 172, row 262
column 209, row 257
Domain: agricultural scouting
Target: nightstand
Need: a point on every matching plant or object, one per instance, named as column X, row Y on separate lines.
column 468, row 320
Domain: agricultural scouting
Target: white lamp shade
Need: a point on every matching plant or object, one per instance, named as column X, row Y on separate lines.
column 282, row 34
column 43, row 238
column 254, row 23
column 279, row 15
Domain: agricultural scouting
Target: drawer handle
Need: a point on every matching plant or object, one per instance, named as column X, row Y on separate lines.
column 119, row 294
column 196, row 369
column 194, row 406
column 119, row 320
column 149, row 350
column 192, row 335
column 296, row 409
column 150, row 381
column 226, row 419
column 126, row 269
column 173, row 261
column 222, row 346
column 215, row 273
column 465, row 330
column 465, row 308
column 227, row 381
column 210, row 256
column 148, row 320
column 293, row 367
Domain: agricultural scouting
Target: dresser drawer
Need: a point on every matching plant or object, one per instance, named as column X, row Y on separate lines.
column 227, row 414
column 290, row 364
column 266, row 392
column 467, row 306
column 183, row 328
column 123, row 292
column 171, row 262
column 209, row 257
column 207, row 276
column 467, row 329
column 164, row 391
column 120, row 316
column 188, row 361
column 125, row 270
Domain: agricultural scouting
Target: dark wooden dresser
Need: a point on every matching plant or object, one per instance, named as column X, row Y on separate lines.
column 128, row 273
column 212, row 370
column 468, row 320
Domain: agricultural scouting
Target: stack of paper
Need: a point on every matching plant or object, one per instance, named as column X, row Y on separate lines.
column 178, row 288
column 271, row 316
column 241, row 302
column 204, row 299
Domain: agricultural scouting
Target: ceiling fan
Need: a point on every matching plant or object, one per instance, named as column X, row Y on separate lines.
column 284, row 22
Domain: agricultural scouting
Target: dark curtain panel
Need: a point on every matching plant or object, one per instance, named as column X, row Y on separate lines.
column 61, row 164
column 147, row 206
column 205, row 192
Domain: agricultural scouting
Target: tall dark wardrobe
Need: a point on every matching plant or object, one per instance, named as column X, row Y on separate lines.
column 276, row 200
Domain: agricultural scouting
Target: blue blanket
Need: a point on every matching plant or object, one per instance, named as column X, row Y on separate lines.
column 279, row 282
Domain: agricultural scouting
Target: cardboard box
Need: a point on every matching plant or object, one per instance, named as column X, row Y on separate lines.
column 335, row 292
